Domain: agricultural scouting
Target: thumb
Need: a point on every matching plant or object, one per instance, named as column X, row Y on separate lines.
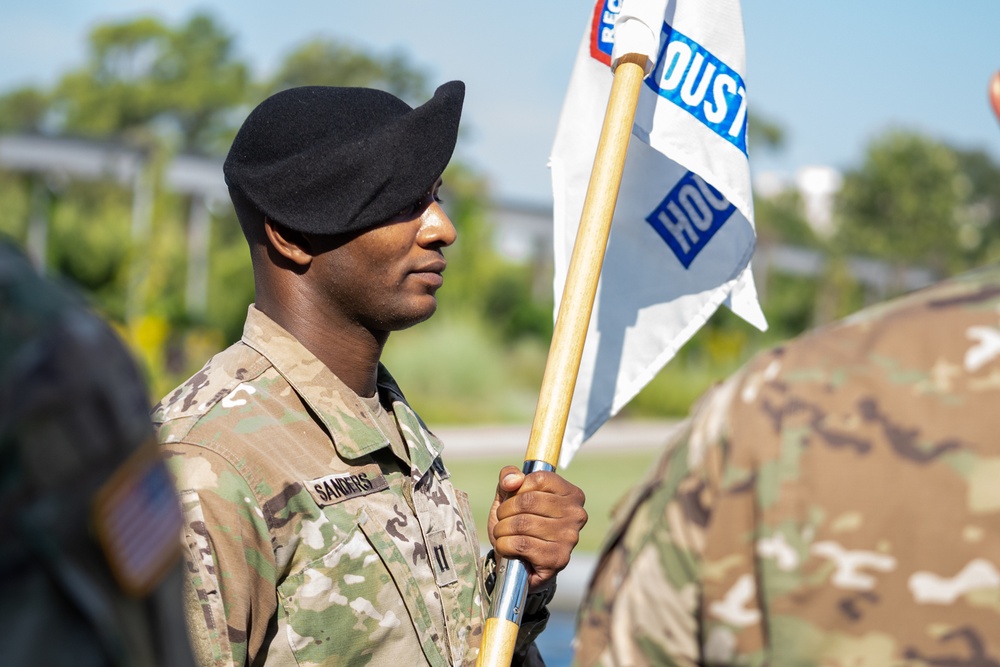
column 510, row 481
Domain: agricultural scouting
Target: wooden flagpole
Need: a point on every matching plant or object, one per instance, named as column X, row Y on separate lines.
column 566, row 350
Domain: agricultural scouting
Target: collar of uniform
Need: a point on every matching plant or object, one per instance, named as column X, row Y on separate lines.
column 348, row 421
column 424, row 447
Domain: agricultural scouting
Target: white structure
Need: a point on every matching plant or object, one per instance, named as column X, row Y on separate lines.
column 522, row 232
column 818, row 186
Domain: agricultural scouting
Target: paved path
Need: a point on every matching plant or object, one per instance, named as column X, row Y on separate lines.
column 512, row 440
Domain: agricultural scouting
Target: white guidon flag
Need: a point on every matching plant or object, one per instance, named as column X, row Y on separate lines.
column 683, row 233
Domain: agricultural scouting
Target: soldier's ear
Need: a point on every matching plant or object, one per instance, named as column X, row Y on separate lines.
column 290, row 244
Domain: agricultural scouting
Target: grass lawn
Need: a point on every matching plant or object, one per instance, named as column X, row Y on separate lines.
column 603, row 476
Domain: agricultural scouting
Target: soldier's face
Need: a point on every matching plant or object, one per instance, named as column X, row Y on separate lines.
column 386, row 278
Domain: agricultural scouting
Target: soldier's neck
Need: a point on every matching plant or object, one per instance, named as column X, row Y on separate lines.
column 350, row 351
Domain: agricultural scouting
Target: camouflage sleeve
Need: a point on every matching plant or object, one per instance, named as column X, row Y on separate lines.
column 643, row 603
column 231, row 591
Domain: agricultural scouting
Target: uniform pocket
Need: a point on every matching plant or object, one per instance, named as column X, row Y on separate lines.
column 409, row 587
column 356, row 603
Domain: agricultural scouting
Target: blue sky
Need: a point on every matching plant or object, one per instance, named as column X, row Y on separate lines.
column 833, row 75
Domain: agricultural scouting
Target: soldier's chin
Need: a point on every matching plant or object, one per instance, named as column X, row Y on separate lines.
column 418, row 315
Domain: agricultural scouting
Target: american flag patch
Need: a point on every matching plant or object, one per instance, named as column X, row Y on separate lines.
column 138, row 521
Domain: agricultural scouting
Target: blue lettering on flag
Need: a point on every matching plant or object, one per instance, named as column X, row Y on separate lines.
column 689, row 216
column 691, row 77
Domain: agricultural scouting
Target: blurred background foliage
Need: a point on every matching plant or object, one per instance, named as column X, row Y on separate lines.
column 183, row 89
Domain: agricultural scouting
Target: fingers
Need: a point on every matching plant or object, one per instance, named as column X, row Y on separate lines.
column 544, row 559
column 544, row 494
column 508, row 483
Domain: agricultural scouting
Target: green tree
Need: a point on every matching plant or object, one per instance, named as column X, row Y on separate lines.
column 978, row 219
column 23, row 110
column 201, row 81
column 780, row 219
column 325, row 62
column 145, row 79
column 902, row 204
column 167, row 89
column 765, row 133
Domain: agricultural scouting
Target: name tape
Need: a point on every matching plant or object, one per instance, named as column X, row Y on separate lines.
column 337, row 488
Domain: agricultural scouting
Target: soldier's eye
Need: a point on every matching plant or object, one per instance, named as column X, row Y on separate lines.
column 417, row 207
column 410, row 210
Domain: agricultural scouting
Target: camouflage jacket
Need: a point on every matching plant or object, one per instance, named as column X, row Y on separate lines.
column 89, row 560
column 315, row 536
column 837, row 502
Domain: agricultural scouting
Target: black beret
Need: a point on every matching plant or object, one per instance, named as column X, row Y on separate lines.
column 329, row 160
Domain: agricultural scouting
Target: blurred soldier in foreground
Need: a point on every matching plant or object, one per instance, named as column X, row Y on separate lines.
column 837, row 502
column 89, row 523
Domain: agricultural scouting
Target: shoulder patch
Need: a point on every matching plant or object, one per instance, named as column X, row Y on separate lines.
column 138, row 521
column 339, row 487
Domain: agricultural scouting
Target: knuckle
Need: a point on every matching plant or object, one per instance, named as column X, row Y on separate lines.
column 527, row 503
column 545, row 476
column 571, row 542
column 521, row 525
column 567, row 540
column 520, row 544
column 505, row 510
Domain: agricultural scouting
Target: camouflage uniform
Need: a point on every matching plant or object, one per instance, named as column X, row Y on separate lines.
column 89, row 560
column 321, row 530
column 837, row 502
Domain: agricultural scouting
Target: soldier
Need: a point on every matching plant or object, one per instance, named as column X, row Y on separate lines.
column 322, row 527
column 89, row 555
column 836, row 502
